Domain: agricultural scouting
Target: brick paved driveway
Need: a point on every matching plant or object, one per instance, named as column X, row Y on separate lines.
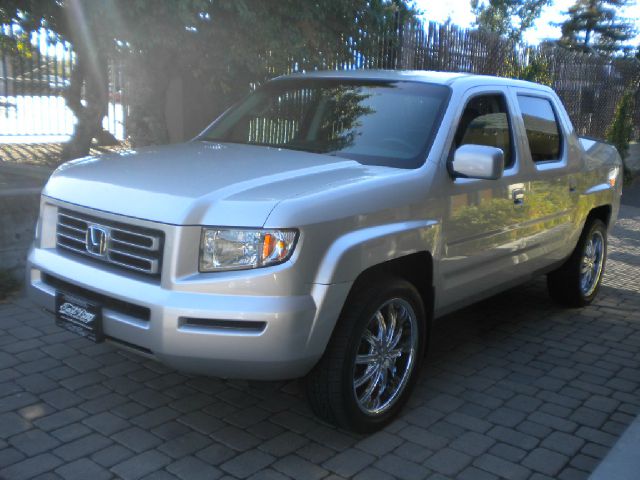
column 516, row 388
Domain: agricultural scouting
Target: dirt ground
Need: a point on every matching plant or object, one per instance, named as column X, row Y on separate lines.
column 44, row 154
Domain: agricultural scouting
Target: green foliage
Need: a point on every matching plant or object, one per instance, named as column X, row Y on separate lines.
column 594, row 25
column 620, row 131
column 537, row 70
column 509, row 18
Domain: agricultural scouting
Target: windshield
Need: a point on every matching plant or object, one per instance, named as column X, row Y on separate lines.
column 373, row 122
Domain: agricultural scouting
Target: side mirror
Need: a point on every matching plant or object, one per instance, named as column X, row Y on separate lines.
column 478, row 161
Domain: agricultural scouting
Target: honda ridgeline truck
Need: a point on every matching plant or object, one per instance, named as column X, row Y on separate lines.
column 320, row 225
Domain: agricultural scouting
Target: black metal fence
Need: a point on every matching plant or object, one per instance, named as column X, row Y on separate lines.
column 34, row 72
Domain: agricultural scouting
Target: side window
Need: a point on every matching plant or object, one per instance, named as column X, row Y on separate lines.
column 485, row 121
column 543, row 131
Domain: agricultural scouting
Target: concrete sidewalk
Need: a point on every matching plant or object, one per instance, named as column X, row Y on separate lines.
column 515, row 388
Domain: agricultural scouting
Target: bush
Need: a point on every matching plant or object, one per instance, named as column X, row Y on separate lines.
column 619, row 133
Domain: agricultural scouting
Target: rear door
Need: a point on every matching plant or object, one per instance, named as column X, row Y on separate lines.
column 551, row 193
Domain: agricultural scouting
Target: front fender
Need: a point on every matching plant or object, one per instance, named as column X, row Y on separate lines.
column 356, row 251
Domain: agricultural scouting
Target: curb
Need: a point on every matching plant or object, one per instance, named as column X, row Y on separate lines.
column 622, row 462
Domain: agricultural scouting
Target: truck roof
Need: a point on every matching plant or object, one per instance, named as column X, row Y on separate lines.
column 457, row 79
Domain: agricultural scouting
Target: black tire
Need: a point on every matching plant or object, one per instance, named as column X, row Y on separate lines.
column 566, row 284
column 331, row 385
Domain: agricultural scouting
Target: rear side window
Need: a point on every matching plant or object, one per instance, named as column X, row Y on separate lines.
column 543, row 131
column 485, row 121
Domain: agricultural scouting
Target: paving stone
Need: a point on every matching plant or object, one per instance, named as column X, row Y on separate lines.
column 9, row 456
column 473, row 443
column 545, row 461
column 82, row 447
column 295, row 467
column 202, row 422
column 589, row 417
column 552, row 421
column 596, row 436
column 603, row 404
column 469, row 422
column 563, row 443
column 472, row 473
column 170, row 430
column 136, row 439
column 235, row 438
column 141, row 465
column 106, row 423
column 111, row 455
column 508, row 452
column 184, row 445
column 33, row 441
column 506, row 417
column 401, row 468
column 448, row 461
column 60, row 419
column 315, row 453
column 534, row 429
column 573, row 474
column 423, row 437
column 268, row 474
column 191, row 468
column 502, row 468
column 585, row 462
column 83, row 469
column 30, row 467
column 413, row 452
column 349, row 462
column 247, row 463
column 332, row 438
column 373, row 474
column 283, row 444
column 523, row 403
column 216, row 454
column 16, row 401
column 37, row 383
column 12, row 424
column 445, row 403
column 513, row 437
column 71, row 432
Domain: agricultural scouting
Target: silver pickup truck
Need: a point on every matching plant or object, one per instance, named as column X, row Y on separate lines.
column 318, row 227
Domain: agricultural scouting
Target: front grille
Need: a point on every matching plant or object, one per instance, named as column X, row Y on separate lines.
column 125, row 246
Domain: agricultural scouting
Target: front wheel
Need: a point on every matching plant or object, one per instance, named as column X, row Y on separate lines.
column 576, row 283
column 372, row 360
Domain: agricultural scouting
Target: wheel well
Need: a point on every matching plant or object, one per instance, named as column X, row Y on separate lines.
column 416, row 268
column 601, row 213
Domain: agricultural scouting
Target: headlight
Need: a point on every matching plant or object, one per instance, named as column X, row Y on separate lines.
column 235, row 249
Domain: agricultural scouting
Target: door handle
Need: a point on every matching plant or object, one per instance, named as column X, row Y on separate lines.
column 518, row 196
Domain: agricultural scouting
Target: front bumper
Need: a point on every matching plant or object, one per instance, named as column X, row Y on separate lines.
column 233, row 336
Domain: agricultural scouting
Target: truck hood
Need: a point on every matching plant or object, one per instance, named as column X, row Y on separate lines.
column 201, row 183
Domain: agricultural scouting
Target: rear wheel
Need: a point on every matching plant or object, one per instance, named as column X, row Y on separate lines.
column 372, row 360
column 576, row 283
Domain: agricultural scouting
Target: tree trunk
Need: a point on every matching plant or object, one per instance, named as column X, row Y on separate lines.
column 90, row 73
column 148, row 84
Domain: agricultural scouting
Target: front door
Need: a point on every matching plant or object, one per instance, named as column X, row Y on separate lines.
column 481, row 225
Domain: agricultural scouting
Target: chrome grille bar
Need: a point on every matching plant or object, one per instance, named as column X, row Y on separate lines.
column 126, row 246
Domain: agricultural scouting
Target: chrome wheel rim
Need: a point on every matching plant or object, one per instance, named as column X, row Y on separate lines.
column 386, row 356
column 591, row 265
